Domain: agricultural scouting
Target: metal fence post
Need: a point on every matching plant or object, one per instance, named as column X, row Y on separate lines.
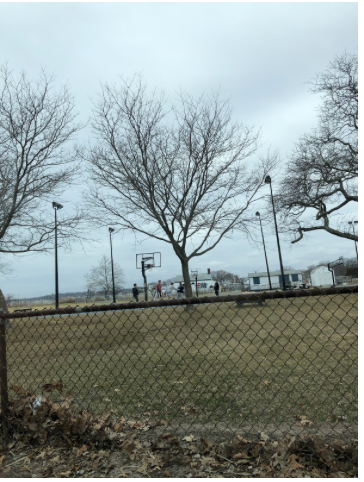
column 4, row 381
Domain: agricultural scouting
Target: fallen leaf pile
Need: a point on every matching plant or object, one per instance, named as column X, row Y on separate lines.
column 57, row 439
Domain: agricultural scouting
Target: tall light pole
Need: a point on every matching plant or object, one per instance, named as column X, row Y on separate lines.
column 268, row 180
column 56, row 207
column 111, row 230
column 356, row 246
column 265, row 253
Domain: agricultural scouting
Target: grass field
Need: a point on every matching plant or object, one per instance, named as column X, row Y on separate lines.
column 124, row 299
column 212, row 363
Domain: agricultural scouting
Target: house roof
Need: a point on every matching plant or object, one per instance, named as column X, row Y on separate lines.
column 200, row 277
column 274, row 273
column 321, row 268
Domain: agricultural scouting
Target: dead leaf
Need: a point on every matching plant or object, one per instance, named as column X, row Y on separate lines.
column 270, row 469
column 143, row 468
column 163, row 422
column 242, row 456
column 264, row 436
column 188, row 438
column 81, row 450
column 154, row 462
column 56, row 385
column 303, row 422
column 65, row 474
column 2, row 457
column 19, row 389
column 265, row 382
column 241, row 439
column 293, row 464
column 128, row 446
column 122, row 473
column 119, row 427
column 193, row 449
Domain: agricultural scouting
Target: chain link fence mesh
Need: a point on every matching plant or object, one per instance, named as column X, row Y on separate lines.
column 263, row 363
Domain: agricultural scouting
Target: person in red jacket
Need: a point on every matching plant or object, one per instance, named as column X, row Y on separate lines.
column 159, row 289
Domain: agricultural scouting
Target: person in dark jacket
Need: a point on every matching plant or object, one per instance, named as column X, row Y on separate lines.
column 135, row 293
column 216, row 288
column 180, row 291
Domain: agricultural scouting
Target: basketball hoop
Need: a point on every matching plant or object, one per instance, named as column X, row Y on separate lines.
column 145, row 261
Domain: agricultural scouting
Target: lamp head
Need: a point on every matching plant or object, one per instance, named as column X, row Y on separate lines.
column 355, row 222
column 268, row 180
column 257, row 213
column 56, row 205
column 350, row 222
column 111, row 230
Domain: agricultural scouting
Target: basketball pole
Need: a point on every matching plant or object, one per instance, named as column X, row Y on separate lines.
column 145, row 281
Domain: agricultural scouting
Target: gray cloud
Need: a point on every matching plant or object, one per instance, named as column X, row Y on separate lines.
column 260, row 54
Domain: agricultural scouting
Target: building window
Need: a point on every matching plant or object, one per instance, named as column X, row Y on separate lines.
column 256, row 280
column 286, row 279
column 294, row 277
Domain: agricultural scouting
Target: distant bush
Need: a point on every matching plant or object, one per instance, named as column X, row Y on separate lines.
column 69, row 299
column 99, row 298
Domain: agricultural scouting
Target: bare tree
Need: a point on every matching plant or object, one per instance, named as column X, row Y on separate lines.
column 36, row 125
column 321, row 176
column 222, row 275
column 180, row 175
column 5, row 267
column 100, row 276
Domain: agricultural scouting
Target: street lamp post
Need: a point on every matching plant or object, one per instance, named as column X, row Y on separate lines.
column 111, row 230
column 56, row 207
column 265, row 253
column 268, row 180
column 356, row 246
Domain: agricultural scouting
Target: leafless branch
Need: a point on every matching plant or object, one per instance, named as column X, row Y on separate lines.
column 322, row 171
column 37, row 124
column 175, row 174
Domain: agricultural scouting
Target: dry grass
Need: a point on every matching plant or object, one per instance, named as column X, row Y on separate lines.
column 124, row 299
column 217, row 362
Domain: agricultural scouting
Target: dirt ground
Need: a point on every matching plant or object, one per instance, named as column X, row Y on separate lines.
column 56, row 440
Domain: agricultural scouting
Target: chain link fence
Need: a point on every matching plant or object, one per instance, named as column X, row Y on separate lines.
column 254, row 365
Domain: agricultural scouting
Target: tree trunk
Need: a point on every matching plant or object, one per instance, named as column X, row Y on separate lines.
column 186, row 278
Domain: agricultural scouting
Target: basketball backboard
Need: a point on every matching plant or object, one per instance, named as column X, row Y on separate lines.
column 152, row 260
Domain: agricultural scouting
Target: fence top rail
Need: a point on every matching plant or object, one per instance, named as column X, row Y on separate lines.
column 261, row 296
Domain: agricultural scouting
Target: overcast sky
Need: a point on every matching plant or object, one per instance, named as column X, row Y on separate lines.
column 260, row 54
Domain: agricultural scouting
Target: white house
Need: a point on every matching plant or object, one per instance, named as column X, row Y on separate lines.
column 260, row 281
column 204, row 281
column 321, row 276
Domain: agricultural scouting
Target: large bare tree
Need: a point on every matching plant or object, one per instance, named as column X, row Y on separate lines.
column 182, row 174
column 36, row 125
column 321, row 176
column 100, row 276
